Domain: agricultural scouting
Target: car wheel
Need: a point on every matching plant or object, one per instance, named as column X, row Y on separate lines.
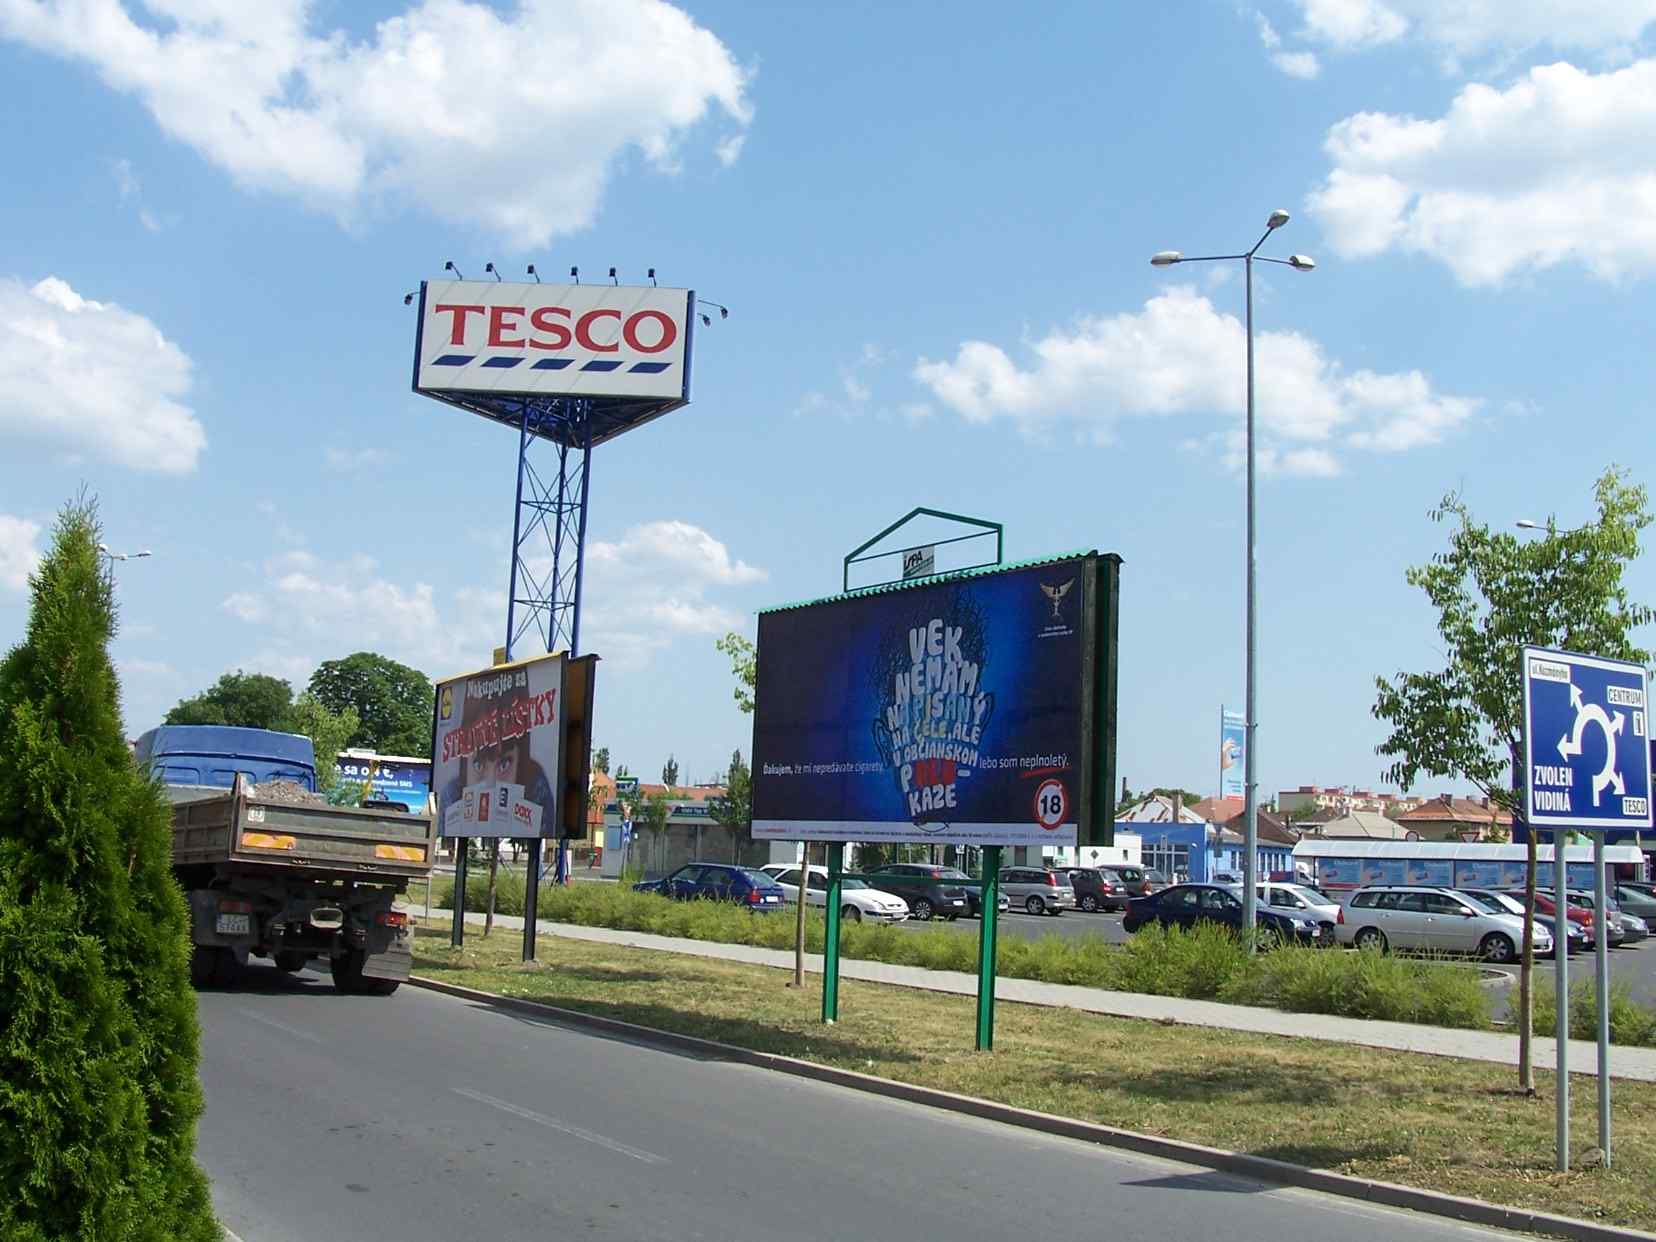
column 922, row 909
column 1035, row 906
column 291, row 962
column 1496, row 948
column 851, row 914
column 1371, row 938
column 1089, row 903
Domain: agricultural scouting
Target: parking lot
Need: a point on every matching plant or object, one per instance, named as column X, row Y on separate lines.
column 1634, row 966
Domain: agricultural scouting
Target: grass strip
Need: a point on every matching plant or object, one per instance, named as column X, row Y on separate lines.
column 1440, row 1124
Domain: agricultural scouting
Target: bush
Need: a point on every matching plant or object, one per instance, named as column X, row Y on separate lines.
column 1169, row 961
column 98, row 1036
column 1631, row 1023
column 1364, row 984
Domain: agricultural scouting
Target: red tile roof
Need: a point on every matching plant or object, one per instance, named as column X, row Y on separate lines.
column 1449, row 809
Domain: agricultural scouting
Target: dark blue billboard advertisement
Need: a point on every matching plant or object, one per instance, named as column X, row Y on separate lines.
column 394, row 779
column 957, row 711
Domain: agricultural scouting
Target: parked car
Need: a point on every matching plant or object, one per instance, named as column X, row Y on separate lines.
column 1097, row 889
column 1038, row 890
column 857, row 900
column 1636, row 899
column 974, row 892
column 1575, row 939
column 1187, row 905
column 925, row 901
column 1632, row 928
column 1578, row 913
column 1433, row 919
column 718, row 882
column 1134, row 881
column 1297, row 899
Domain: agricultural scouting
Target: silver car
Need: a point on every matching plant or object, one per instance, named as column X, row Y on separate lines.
column 1037, row 889
column 1438, row 920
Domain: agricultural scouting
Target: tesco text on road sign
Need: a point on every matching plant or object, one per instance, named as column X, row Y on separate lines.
column 1587, row 751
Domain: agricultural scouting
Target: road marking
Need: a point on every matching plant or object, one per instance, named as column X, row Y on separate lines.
column 563, row 1127
column 280, row 1026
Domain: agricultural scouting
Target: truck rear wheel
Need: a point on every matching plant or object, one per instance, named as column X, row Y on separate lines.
column 349, row 979
column 213, row 966
column 291, row 962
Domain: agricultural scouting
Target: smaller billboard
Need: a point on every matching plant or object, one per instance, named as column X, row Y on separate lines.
column 498, row 750
column 390, row 778
column 1233, row 736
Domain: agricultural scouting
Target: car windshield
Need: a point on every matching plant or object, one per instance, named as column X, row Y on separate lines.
column 952, row 873
column 1485, row 902
column 849, row 883
column 757, row 878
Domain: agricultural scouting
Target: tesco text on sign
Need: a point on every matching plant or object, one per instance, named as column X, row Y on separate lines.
column 575, row 340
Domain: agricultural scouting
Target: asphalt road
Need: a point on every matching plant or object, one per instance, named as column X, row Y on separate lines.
column 1634, row 965
column 421, row 1117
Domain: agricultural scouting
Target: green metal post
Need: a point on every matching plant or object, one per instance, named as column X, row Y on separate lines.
column 830, row 944
column 990, row 912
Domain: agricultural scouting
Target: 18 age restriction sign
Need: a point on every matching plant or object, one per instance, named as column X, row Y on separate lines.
column 1051, row 804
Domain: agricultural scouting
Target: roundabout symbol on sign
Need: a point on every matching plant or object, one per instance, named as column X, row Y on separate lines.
column 1051, row 804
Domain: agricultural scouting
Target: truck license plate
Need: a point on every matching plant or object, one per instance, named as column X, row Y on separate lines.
column 234, row 925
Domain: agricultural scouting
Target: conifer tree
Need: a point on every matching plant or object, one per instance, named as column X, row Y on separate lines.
column 98, row 1036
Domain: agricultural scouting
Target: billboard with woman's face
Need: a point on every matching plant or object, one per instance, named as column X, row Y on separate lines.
column 496, row 750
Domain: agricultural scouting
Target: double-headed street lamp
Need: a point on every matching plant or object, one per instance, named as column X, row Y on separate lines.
column 1300, row 263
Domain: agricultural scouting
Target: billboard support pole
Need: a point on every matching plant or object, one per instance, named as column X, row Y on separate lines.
column 1601, row 970
column 989, row 914
column 831, row 933
column 1561, row 975
column 457, row 933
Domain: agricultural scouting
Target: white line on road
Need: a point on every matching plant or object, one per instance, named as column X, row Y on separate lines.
column 563, row 1127
column 280, row 1026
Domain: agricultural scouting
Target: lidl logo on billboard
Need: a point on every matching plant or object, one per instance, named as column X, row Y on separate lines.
column 1586, row 729
column 446, row 707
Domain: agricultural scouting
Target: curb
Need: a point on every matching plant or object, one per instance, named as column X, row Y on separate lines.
column 1261, row 1168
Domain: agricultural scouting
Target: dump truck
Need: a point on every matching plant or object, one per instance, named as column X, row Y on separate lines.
column 271, row 869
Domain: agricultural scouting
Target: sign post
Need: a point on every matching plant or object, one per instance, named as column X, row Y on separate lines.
column 1587, row 768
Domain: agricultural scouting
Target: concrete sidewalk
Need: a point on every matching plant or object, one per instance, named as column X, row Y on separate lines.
column 1630, row 1063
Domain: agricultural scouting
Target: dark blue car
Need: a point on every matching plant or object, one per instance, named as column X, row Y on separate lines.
column 1187, row 905
column 718, row 882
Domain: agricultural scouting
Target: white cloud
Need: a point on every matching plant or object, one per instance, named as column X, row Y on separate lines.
column 1302, row 65
column 345, row 460
column 513, row 121
column 642, row 592
column 1461, row 28
column 1559, row 167
column 93, row 377
column 1180, row 355
column 126, row 181
column 19, row 551
column 146, row 668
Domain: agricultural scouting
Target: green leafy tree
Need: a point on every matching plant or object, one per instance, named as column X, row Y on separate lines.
column 1495, row 593
column 670, row 773
column 734, row 810
column 392, row 701
column 248, row 700
column 328, row 732
column 601, row 760
column 744, row 664
column 649, row 814
column 98, row 1037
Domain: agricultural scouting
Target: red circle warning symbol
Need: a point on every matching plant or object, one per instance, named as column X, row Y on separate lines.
column 1051, row 804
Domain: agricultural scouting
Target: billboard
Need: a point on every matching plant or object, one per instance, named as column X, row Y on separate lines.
column 1233, row 736
column 486, row 337
column 971, row 710
column 499, row 747
column 391, row 778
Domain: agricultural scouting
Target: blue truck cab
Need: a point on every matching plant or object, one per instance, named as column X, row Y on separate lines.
column 216, row 754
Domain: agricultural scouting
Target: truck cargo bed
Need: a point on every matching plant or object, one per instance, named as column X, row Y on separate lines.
column 213, row 826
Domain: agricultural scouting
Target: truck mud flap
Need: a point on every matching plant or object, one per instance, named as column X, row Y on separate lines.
column 395, row 963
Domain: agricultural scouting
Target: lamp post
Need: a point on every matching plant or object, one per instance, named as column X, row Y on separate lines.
column 112, row 557
column 1250, row 788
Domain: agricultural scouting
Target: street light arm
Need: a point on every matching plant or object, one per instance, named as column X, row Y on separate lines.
column 1258, row 244
column 1209, row 258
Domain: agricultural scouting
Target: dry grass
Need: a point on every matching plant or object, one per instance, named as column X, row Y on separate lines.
column 1454, row 1126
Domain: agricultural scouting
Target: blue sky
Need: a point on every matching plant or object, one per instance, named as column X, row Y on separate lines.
column 933, row 237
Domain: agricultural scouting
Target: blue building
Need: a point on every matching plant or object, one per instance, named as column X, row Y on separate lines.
column 1179, row 843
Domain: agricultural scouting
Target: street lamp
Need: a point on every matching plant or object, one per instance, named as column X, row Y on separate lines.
column 1300, row 263
column 122, row 556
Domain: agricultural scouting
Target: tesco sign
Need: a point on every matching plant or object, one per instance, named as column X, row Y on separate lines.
column 553, row 340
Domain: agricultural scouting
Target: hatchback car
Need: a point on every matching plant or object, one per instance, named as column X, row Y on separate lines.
column 857, row 900
column 1188, row 905
column 1037, row 889
column 1576, row 937
column 918, row 884
column 1293, row 899
column 1134, row 881
column 1097, row 889
column 1436, row 920
column 718, row 882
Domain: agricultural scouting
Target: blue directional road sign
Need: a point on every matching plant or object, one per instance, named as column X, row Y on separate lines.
column 1586, row 738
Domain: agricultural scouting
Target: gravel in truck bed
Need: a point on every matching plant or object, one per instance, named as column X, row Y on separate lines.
column 290, row 792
